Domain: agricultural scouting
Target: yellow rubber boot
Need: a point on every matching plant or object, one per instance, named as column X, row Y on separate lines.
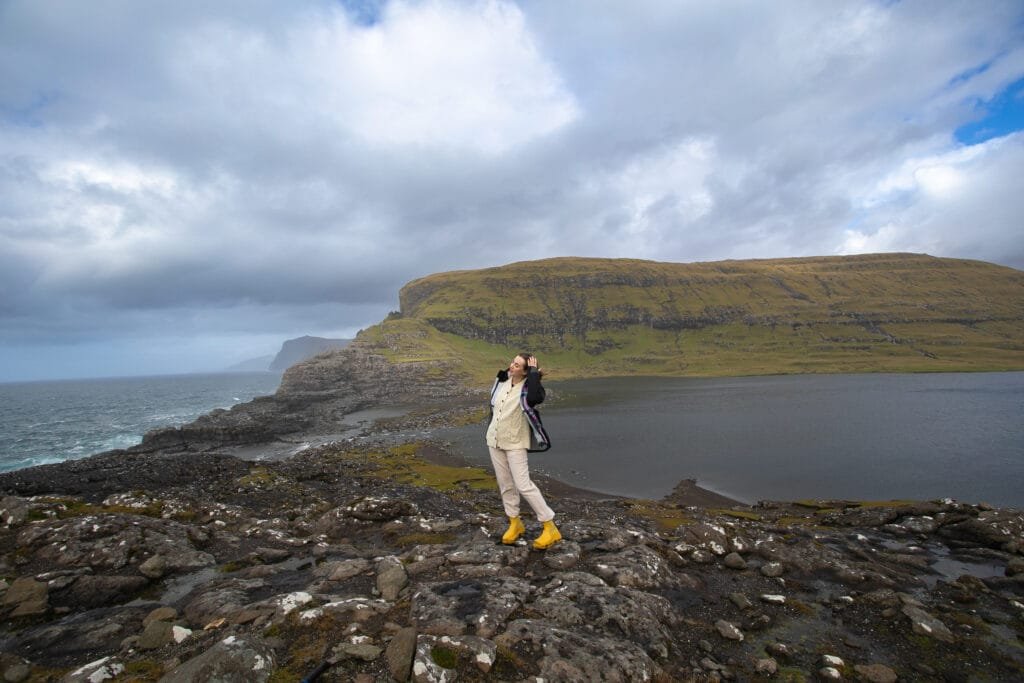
column 548, row 536
column 515, row 530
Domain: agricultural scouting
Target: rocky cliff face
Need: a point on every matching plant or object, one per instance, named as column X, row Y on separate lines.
column 313, row 398
column 297, row 350
column 828, row 304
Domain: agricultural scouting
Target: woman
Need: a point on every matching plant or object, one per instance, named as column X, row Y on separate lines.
column 514, row 423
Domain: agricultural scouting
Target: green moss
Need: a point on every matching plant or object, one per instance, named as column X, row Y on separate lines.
column 868, row 504
column 258, row 477
column 444, row 657
column 409, row 540
column 741, row 514
column 232, row 566
column 402, row 463
column 142, row 670
column 791, row 674
column 666, row 517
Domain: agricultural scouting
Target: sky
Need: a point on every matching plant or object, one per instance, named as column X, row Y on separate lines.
column 185, row 185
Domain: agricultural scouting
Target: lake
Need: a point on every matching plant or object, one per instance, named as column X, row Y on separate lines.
column 873, row 436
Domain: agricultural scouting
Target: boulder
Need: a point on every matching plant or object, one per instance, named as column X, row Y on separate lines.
column 232, row 660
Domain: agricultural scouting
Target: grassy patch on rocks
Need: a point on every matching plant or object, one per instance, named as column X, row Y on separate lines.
column 666, row 517
column 403, row 464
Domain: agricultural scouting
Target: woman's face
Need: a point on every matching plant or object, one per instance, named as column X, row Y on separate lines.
column 517, row 368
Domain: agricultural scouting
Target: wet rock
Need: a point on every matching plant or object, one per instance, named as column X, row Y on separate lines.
column 13, row 510
column 78, row 637
column 156, row 635
column 26, row 597
column 772, row 569
column 232, row 660
column 400, row 653
column 927, row 625
column 735, row 561
column 639, row 567
column 154, row 568
column 433, row 652
column 357, row 610
column 220, row 599
column 563, row 555
column 833, row 661
column 99, row 670
column 740, row 600
column 450, row 608
column 875, row 673
column 342, row 570
column 380, row 509
column 766, row 667
column 779, row 650
column 728, row 630
column 361, row 651
column 391, row 577
column 704, row 536
column 563, row 655
column 646, row 619
column 112, row 542
column 830, row 673
column 99, row 591
column 161, row 614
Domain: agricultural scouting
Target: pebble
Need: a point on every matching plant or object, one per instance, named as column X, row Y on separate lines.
column 728, row 630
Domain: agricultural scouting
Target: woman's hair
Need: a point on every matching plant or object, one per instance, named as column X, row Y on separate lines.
column 526, row 356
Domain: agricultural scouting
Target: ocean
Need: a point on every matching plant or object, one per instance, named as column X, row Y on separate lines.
column 53, row 421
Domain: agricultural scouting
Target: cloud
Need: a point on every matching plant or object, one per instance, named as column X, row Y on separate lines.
column 258, row 168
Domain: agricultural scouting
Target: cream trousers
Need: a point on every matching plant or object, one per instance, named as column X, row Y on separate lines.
column 513, row 475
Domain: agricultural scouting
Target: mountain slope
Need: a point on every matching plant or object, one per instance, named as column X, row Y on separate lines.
column 878, row 312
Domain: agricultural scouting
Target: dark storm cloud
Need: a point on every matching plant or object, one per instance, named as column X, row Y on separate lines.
column 241, row 168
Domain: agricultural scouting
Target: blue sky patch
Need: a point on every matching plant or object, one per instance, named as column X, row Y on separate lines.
column 1001, row 115
column 364, row 12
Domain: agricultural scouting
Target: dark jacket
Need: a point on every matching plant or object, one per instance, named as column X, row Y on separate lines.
column 531, row 395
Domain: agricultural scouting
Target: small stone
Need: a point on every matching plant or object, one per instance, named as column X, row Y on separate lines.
column 400, row 653
column 728, row 630
column 875, row 673
column 154, row 568
column 705, row 645
column 771, row 569
column 832, row 660
column 735, row 561
column 702, row 557
column 391, row 577
column 925, row 624
column 774, row 599
column 362, row 651
column 17, row 673
column 161, row 614
column 766, row 667
column 779, row 650
column 156, row 635
column 1015, row 566
column 740, row 600
column 830, row 673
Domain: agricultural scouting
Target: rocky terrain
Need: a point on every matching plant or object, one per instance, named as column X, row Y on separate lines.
column 367, row 560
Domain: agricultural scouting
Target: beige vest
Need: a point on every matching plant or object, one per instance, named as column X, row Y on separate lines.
column 509, row 429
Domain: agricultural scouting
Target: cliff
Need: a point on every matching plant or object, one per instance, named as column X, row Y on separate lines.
column 303, row 348
column 879, row 312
